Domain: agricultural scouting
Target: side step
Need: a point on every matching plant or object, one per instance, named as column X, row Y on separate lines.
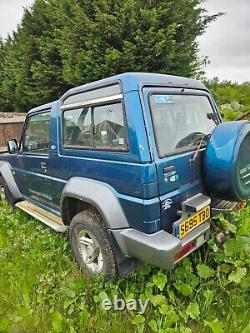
column 42, row 215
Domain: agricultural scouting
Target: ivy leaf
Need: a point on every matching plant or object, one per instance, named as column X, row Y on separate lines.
column 153, row 325
column 193, row 310
column 138, row 320
column 184, row 288
column 205, row 271
column 194, row 280
column 172, row 316
column 158, row 300
column 160, row 280
column 215, row 326
column 164, row 309
column 237, row 275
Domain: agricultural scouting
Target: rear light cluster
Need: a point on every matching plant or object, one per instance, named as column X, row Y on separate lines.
column 184, row 250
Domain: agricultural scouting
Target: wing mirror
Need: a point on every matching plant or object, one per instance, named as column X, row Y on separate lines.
column 12, row 146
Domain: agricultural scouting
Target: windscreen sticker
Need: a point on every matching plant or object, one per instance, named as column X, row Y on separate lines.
column 164, row 99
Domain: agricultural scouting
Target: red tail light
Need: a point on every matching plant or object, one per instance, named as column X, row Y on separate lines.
column 187, row 248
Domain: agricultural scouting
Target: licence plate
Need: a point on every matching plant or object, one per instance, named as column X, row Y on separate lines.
column 185, row 227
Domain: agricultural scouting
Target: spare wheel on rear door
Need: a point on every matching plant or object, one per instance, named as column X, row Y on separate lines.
column 227, row 161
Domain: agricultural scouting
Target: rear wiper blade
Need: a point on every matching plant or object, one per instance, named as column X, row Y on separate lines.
column 205, row 137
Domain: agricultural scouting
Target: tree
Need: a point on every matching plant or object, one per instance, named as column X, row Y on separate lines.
column 62, row 43
column 1, row 68
column 232, row 98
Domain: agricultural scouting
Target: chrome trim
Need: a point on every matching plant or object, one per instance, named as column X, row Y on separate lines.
column 93, row 101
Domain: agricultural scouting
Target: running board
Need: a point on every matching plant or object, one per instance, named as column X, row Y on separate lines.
column 42, row 215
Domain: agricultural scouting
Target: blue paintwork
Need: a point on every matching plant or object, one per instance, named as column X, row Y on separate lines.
column 136, row 176
column 135, row 81
column 223, row 172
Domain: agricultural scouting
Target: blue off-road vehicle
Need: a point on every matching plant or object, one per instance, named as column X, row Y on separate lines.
column 133, row 166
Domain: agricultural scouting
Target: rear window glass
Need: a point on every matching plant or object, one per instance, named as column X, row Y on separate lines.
column 181, row 122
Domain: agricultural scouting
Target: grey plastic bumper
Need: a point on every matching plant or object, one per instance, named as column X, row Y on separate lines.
column 157, row 249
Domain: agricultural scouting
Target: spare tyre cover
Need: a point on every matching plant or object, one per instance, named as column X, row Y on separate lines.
column 227, row 161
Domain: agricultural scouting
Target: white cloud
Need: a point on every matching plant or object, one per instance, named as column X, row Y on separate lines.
column 11, row 12
column 227, row 41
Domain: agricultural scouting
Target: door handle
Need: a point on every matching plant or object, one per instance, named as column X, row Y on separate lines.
column 43, row 165
column 168, row 169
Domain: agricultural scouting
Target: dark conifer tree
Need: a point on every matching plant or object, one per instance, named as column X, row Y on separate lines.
column 62, row 43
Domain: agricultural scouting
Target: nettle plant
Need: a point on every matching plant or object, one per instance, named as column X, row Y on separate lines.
column 199, row 292
column 207, row 292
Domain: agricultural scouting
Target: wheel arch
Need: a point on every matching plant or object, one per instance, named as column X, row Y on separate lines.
column 9, row 181
column 83, row 193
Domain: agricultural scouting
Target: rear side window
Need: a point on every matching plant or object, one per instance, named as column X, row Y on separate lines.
column 36, row 135
column 97, row 127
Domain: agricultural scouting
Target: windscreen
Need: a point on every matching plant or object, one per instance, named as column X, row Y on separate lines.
column 181, row 122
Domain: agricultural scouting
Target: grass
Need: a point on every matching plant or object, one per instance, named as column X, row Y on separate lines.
column 42, row 289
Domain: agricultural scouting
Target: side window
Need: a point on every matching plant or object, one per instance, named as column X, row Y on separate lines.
column 97, row 127
column 109, row 127
column 36, row 136
column 78, row 128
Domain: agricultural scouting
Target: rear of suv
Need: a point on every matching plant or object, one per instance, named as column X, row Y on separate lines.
column 133, row 166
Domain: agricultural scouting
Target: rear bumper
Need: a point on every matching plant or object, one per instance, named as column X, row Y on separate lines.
column 160, row 248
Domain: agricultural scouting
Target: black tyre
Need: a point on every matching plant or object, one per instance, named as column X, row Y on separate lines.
column 92, row 244
column 6, row 194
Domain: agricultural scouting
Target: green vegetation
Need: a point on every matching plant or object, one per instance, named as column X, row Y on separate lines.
column 232, row 98
column 64, row 43
column 42, row 289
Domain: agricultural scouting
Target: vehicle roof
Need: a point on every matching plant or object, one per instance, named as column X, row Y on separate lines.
column 43, row 107
column 134, row 80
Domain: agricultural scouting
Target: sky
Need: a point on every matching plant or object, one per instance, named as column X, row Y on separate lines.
column 226, row 42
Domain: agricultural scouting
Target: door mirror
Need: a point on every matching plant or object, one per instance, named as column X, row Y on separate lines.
column 12, row 146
